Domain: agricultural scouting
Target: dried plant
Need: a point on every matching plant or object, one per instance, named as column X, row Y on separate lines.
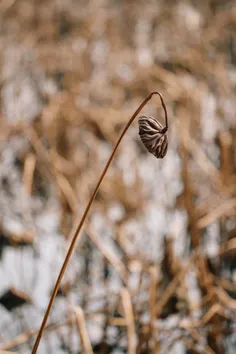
column 160, row 146
column 153, row 136
column 70, row 85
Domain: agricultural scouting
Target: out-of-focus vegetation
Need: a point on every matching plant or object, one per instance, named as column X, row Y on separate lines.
column 155, row 269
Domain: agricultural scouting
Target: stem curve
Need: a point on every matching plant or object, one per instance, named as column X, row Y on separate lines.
column 80, row 225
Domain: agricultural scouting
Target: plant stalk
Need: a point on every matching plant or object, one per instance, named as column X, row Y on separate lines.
column 80, row 225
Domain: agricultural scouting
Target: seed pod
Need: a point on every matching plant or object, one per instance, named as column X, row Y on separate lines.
column 153, row 136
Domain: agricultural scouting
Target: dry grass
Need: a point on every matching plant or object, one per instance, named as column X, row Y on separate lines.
column 137, row 286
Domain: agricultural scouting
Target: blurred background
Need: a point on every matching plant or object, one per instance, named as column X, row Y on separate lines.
column 154, row 270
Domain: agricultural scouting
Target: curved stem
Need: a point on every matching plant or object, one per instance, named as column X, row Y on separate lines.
column 164, row 107
column 79, row 227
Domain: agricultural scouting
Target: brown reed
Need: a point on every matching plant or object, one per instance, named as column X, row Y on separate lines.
column 80, row 224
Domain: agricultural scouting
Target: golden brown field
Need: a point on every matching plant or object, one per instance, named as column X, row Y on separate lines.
column 154, row 268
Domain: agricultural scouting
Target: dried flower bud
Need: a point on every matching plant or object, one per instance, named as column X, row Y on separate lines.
column 153, row 136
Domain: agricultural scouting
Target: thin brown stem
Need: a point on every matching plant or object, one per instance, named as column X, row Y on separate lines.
column 80, row 225
column 164, row 107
